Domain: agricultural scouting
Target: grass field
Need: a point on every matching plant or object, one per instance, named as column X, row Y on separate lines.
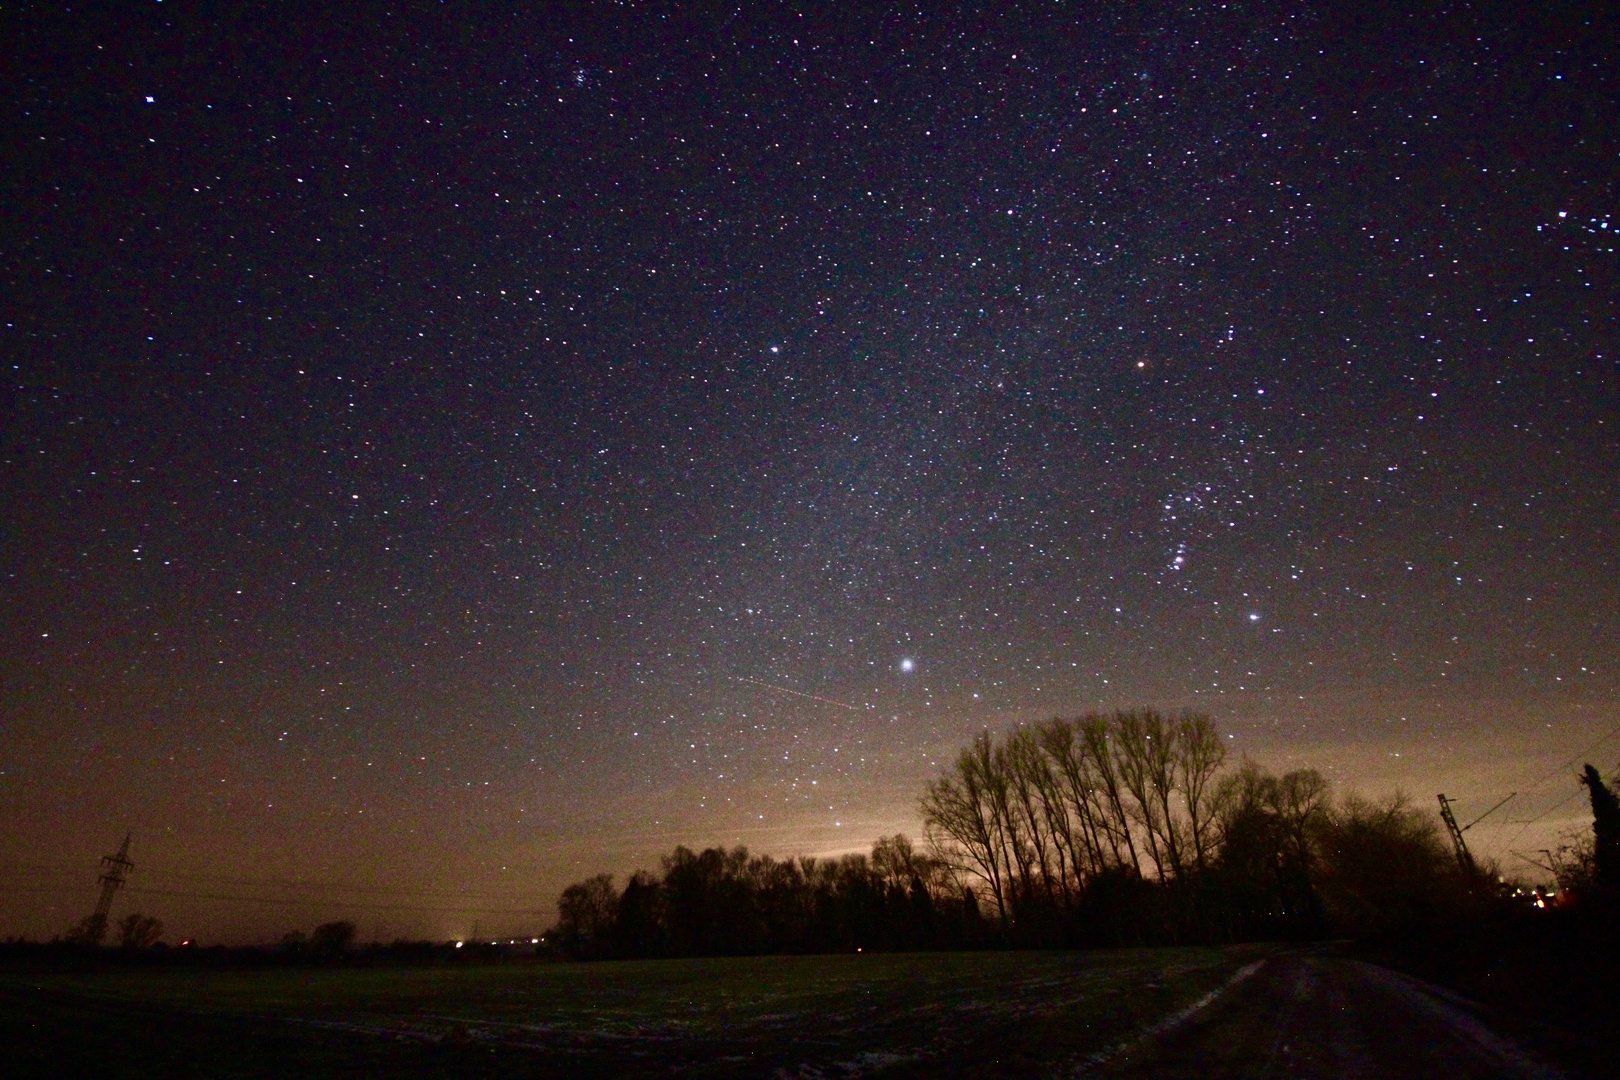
column 895, row 1015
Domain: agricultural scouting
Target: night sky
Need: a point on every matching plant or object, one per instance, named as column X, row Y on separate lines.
column 448, row 453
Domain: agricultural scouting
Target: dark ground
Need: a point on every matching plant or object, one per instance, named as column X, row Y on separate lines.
column 903, row 1015
column 1307, row 1016
column 1208, row 1013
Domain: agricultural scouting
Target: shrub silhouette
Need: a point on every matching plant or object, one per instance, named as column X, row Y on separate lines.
column 332, row 938
column 137, row 931
column 1383, row 871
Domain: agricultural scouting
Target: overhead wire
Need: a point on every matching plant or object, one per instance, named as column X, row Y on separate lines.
column 333, row 886
column 1531, row 821
column 1601, row 740
column 324, row 899
column 254, row 883
column 1524, row 825
column 311, row 901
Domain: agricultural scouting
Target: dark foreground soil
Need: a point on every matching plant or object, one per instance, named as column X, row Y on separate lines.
column 1320, row 1016
column 45, row 1034
column 900, row 1016
column 1209, row 1014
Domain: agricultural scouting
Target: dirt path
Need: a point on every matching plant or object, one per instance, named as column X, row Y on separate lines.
column 1303, row 1016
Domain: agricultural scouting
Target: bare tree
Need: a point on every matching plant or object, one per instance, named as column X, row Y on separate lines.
column 995, row 768
column 587, row 912
column 1161, row 739
column 1097, row 733
column 1139, row 765
column 1072, row 775
column 894, row 860
column 1029, row 780
column 1198, row 756
column 1066, row 820
column 1038, row 814
column 1242, row 795
column 1300, row 801
column 959, row 820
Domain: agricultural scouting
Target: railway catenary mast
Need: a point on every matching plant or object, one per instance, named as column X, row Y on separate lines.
column 1464, row 859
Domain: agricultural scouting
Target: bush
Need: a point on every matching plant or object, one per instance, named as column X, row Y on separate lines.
column 331, row 939
column 1383, row 872
column 137, row 931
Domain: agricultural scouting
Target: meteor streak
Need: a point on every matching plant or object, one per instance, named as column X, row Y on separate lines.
column 797, row 693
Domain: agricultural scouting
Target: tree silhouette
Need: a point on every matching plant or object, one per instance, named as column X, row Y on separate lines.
column 639, row 927
column 1605, row 829
column 962, row 824
column 89, row 930
column 332, row 938
column 1384, row 872
column 1263, row 876
column 1033, row 819
column 137, row 931
column 587, row 914
column 1115, row 829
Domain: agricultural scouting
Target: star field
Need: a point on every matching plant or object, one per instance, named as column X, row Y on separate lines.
column 511, row 444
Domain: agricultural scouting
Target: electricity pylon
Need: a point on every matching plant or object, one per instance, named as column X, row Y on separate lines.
column 114, row 869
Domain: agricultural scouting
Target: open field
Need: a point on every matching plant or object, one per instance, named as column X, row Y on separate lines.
column 898, row 1014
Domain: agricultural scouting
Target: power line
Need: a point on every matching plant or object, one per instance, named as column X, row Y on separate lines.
column 1531, row 821
column 1561, row 802
column 1603, row 739
column 1488, row 813
column 295, row 902
column 1533, row 862
column 330, row 885
column 296, row 883
column 312, row 902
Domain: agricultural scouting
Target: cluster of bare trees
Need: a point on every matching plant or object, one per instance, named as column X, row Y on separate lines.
column 1103, row 829
column 1036, row 816
column 718, row 901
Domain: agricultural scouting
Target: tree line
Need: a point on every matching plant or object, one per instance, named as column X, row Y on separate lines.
column 134, row 931
column 1132, row 827
column 728, row 902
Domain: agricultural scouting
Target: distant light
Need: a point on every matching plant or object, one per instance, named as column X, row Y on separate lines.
column 458, row 944
column 908, row 664
column 1254, row 616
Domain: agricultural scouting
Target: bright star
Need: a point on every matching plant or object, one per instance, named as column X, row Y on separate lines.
column 908, row 664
